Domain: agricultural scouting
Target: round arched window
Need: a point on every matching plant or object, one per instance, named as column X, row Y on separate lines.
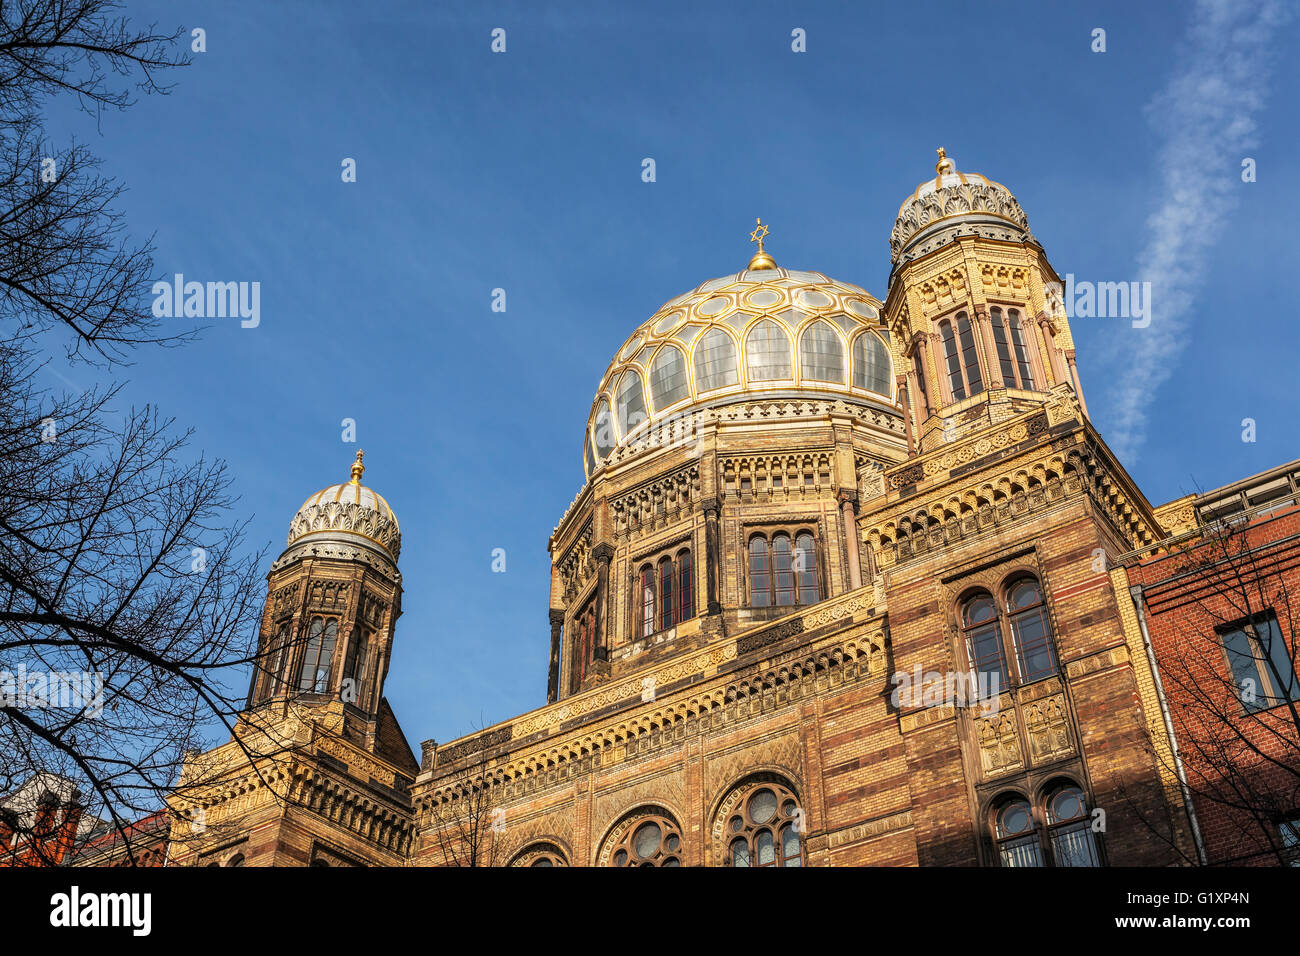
column 765, row 828
column 1016, row 837
column 540, row 854
column 1069, row 827
column 652, row 840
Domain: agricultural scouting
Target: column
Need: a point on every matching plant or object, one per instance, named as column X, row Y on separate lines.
column 1074, row 378
column 711, row 553
column 848, row 502
column 553, row 672
column 602, row 553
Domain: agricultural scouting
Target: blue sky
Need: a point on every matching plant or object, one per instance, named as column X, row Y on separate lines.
column 522, row 171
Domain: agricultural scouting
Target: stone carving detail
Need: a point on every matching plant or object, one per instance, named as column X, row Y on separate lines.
column 577, row 567
column 473, row 745
column 999, row 743
column 657, row 503
column 1048, row 729
column 351, row 517
column 328, row 595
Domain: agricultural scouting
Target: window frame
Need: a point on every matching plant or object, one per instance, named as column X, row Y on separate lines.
column 1011, row 648
column 797, row 588
column 1268, row 695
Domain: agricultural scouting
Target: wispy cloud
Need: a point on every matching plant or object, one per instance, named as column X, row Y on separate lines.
column 1206, row 118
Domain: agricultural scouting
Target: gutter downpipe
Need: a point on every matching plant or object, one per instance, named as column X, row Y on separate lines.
column 1139, row 603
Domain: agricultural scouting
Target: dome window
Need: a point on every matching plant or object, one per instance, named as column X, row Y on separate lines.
column 631, row 403
column 767, row 353
column 715, row 361
column 821, row 353
column 602, row 431
column 668, row 384
column 871, row 365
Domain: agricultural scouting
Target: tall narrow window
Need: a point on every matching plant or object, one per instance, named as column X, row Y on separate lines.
column 668, row 384
column 969, row 355
column 631, row 403
column 1030, row 631
column 666, row 619
column 1016, row 836
column 315, row 675
column 953, row 361
column 760, row 576
column 1022, row 352
column 783, row 570
column 805, row 567
column 1003, row 346
column 354, row 669
column 919, row 370
column 647, row 601
column 685, row 593
column 276, row 661
column 983, row 636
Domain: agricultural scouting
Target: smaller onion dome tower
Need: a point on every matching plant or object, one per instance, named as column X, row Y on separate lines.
column 334, row 598
column 974, row 308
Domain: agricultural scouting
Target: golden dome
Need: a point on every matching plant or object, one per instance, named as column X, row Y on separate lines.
column 954, row 198
column 347, row 511
column 766, row 333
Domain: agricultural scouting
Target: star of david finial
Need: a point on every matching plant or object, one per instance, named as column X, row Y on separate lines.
column 761, row 259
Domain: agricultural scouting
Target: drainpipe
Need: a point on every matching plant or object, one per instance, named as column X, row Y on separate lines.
column 1139, row 603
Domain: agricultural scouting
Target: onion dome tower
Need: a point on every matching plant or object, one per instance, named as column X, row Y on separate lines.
column 334, row 598
column 974, row 308
column 722, row 452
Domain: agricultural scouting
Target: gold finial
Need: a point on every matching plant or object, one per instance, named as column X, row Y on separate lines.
column 358, row 469
column 761, row 259
column 944, row 165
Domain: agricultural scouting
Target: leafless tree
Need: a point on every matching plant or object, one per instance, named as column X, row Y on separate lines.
column 467, row 819
column 128, row 601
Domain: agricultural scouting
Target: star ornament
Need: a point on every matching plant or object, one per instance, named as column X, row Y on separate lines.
column 759, row 234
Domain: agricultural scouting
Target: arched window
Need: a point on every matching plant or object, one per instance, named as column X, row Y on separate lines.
column 602, row 431
column 236, row 860
column 821, row 353
column 969, row 356
column 872, row 368
column 631, row 403
column 685, row 591
column 1015, row 834
column 782, row 575
column 760, row 573
column 983, row 637
column 1030, row 631
column 582, row 645
column 1002, row 343
column 767, row 353
column 1016, row 627
column 715, row 361
column 315, row 675
column 956, row 384
column 666, row 593
column 650, row 839
column 764, row 828
column 1069, row 827
column 805, row 569
column 666, row 589
column 668, row 384
column 1067, row 839
column 647, row 601
column 540, row 854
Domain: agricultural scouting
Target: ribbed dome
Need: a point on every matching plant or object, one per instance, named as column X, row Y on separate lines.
column 762, row 332
column 349, row 509
column 953, row 199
